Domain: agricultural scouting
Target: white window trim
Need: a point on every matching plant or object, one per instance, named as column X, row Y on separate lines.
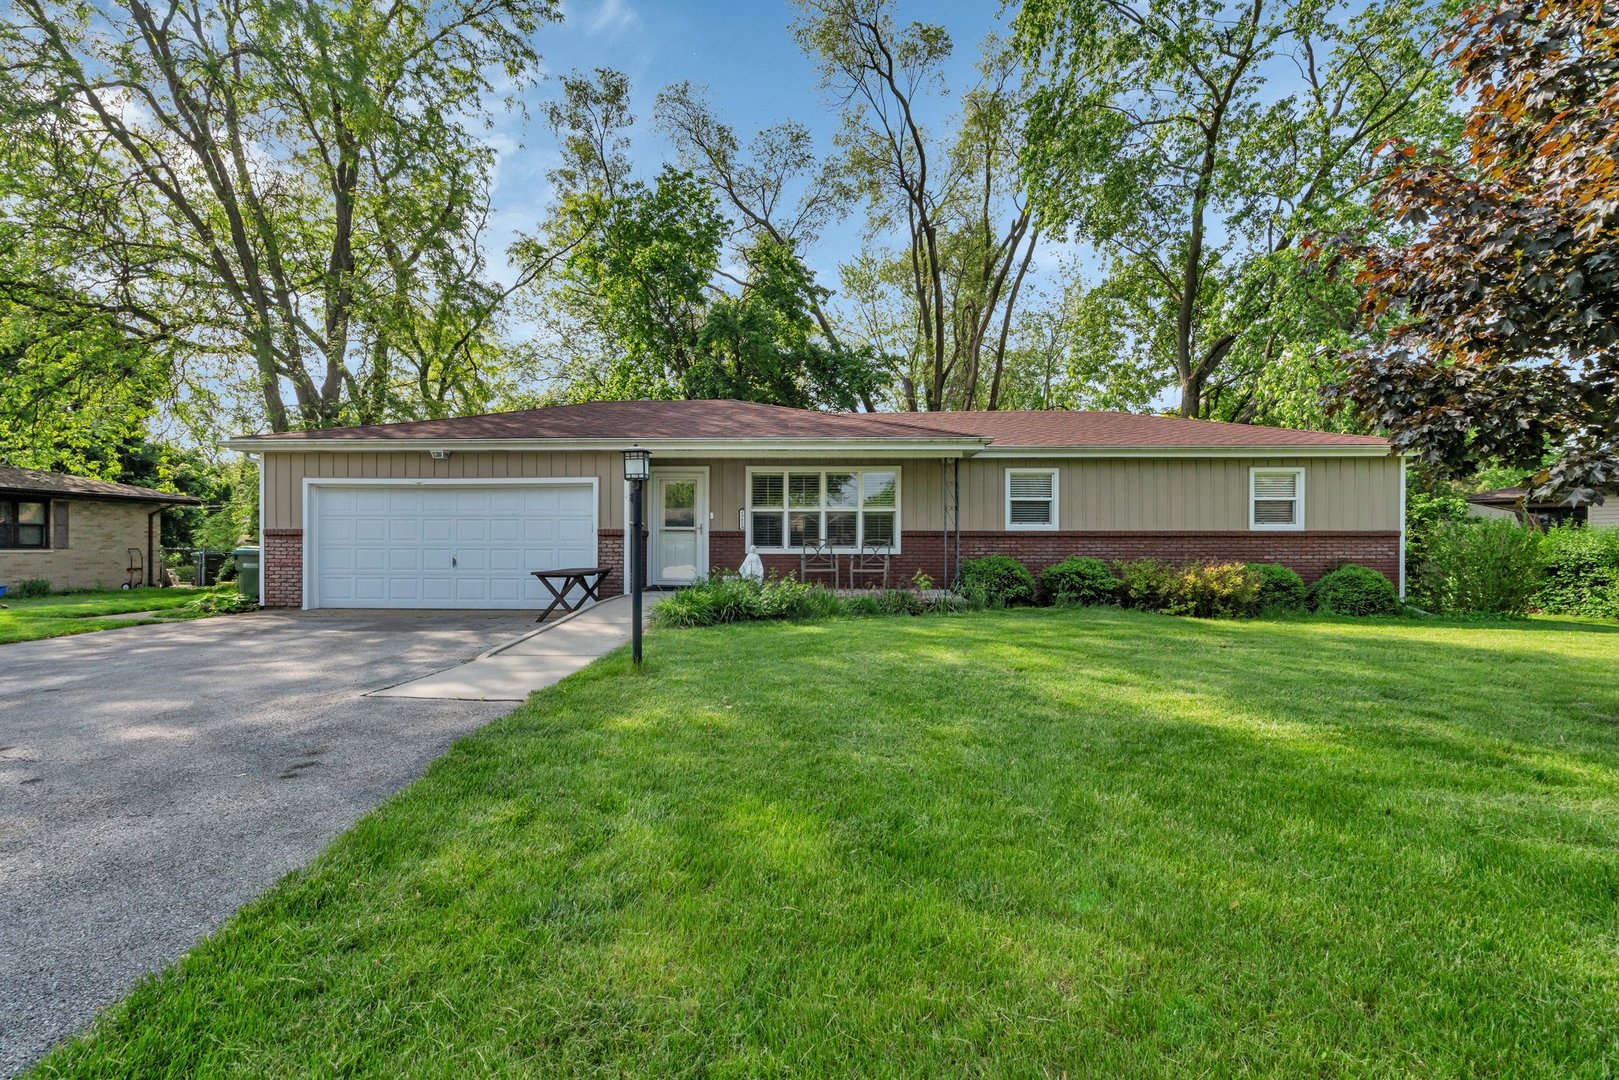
column 1056, row 512
column 748, row 508
column 1298, row 498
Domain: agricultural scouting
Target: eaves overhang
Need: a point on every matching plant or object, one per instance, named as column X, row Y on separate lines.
column 709, row 448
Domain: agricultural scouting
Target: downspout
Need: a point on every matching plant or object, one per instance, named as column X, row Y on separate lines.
column 1403, row 463
column 151, row 548
column 263, row 461
column 955, row 479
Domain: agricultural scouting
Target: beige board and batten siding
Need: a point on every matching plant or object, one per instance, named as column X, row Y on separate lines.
column 285, row 473
column 1111, row 494
column 1360, row 494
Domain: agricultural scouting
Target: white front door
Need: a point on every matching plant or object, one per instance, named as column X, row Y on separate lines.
column 678, row 551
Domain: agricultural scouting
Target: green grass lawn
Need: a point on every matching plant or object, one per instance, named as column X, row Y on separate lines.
column 76, row 613
column 1034, row 843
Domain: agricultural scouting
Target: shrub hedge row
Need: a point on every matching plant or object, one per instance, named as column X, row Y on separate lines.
column 1204, row 590
column 1497, row 566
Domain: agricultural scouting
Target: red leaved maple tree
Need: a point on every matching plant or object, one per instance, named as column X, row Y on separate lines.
column 1497, row 326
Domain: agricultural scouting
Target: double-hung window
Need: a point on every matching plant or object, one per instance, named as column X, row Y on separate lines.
column 23, row 523
column 1031, row 498
column 1276, row 499
column 790, row 509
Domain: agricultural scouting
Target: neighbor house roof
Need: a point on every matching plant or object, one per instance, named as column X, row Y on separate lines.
column 1513, row 497
column 694, row 426
column 63, row 485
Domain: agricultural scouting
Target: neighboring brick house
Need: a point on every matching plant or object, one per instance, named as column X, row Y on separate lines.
column 456, row 513
column 76, row 532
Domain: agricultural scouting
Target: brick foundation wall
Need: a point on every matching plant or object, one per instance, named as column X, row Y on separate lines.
column 610, row 552
column 283, row 568
column 1311, row 554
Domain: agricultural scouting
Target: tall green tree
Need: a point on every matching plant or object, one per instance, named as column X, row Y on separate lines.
column 950, row 206
column 291, row 190
column 633, row 275
column 1193, row 145
column 76, row 390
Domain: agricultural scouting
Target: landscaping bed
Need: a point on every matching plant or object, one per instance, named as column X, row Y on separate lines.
column 1077, row 841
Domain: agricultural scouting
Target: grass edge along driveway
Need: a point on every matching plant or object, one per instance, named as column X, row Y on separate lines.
column 1019, row 843
column 60, row 614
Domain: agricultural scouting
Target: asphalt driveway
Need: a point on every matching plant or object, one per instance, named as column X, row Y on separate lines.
column 155, row 778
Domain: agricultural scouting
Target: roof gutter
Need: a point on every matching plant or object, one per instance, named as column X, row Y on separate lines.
column 708, row 448
column 1352, row 451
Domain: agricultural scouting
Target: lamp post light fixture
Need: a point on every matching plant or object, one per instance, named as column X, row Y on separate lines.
column 637, row 467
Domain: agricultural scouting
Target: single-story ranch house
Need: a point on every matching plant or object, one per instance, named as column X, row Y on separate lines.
column 79, row 533
column 456, row 513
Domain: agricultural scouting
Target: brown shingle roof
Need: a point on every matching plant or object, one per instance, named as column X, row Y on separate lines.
column 630, row 420
column 1117, row 430
column 696, row 420
column 34, row 482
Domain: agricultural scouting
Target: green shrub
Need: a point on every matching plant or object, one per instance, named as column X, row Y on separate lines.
column 1079, row 580
column 30, row 587
column 1486, row 565
column 727, row 598
column 1280, row 588
column 1202, row 590
column 1354, row 590
column 1213, row 591
column 1430, row 506
column 997, row 581
column 888, row 602
column 224, row 602
column 1145, row 583
column 1580, row 572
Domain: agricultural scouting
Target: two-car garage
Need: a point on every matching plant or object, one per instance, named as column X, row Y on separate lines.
column 443, row 543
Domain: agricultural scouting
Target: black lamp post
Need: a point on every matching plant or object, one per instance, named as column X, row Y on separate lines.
column 637, row 467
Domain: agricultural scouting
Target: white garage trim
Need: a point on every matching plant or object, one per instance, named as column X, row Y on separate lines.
column 311, row 524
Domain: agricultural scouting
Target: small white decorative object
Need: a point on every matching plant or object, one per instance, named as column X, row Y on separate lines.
column 753, row 568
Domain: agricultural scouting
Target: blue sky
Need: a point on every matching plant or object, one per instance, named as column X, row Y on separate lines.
column 741, row 51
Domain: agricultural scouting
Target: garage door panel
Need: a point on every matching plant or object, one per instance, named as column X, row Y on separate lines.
column 370, row 587
column 403, row 589
column 446, row 546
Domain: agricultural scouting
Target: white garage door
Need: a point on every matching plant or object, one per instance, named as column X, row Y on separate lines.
column 445, row 546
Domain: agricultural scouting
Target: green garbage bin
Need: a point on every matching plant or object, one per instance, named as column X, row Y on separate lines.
column 247, row 571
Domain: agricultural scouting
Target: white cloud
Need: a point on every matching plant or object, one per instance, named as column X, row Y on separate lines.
column 602, row 18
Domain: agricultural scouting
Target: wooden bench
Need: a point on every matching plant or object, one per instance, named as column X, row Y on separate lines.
column 586, row 578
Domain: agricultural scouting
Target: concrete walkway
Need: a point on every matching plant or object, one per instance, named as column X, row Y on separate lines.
column 549, row 654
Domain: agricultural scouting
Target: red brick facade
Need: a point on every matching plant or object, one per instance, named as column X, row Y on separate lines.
column 1310, row 553
column 610, row 552
column 283, row 568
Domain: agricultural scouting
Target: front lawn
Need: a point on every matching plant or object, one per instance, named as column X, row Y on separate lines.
column 1032, row 843
column 78, row 613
